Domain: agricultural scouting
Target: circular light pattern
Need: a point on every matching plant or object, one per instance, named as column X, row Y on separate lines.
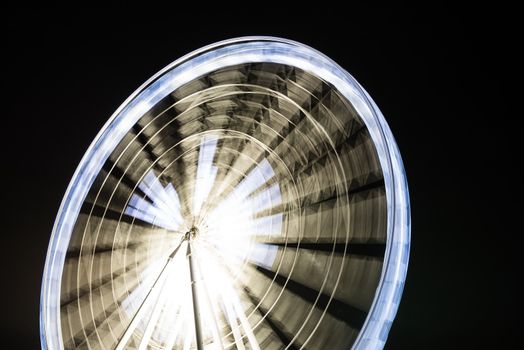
column 250, row 195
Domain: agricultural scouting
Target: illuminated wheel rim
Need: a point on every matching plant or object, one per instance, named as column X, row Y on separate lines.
column 287, row 176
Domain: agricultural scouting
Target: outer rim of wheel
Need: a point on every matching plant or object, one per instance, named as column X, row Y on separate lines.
column 225, row 53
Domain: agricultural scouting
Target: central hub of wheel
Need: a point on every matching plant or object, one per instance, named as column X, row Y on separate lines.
column 192, row 233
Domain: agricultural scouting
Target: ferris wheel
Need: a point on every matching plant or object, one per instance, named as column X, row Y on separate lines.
column 248, row 196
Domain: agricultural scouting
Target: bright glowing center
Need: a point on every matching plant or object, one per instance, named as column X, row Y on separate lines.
column 226, row 240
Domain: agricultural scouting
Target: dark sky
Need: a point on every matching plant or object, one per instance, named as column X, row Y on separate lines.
column 440, row 76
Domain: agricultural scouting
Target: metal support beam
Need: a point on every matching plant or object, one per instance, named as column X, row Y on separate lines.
column 194, row 292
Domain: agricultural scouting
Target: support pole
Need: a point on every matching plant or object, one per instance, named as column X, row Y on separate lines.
column 194, row 291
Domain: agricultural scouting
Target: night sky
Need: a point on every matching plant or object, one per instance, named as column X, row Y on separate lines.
column 439, row 75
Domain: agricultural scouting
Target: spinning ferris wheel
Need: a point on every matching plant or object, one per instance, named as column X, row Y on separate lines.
column 250, row 196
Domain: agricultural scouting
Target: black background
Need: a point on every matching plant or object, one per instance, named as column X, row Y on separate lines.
column 440, row 75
